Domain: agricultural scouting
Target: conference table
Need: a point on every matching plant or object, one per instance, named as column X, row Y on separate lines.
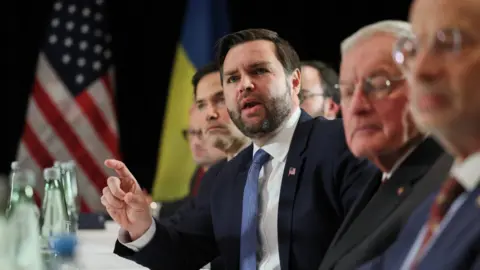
column 95, row 250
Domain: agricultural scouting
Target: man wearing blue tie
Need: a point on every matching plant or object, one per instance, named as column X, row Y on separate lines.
column 442, row 65
column 275, row 205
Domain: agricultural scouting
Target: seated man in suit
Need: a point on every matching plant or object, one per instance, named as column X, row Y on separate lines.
column 204, row 155
column 318, row 96
column 378, row 126
column 291, row 187
column 442, row 64
column 218, row 129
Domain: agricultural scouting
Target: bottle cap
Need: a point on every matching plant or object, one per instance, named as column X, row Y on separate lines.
column 51, row 173
column 23, row 178
column 14, row 165
column 71, row 164
column 64, row 245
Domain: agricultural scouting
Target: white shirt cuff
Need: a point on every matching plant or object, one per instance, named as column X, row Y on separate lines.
column 141, row 242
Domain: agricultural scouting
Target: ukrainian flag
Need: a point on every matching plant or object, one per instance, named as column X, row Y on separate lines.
column 205, row 22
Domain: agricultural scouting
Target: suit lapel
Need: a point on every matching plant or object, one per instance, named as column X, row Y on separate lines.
column 359, row 205
column 458, row 236
column 388, row 197
column 291, row 177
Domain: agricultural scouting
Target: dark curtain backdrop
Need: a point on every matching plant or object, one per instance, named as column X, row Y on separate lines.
column 145, row 33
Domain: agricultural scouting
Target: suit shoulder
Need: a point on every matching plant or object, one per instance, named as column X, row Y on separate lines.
column 217, row 167
column 328, row 126
column 328, row 133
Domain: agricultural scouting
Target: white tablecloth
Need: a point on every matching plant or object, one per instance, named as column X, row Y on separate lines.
column 95, row 250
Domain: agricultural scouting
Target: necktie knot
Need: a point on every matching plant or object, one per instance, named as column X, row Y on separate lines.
column 260, row 157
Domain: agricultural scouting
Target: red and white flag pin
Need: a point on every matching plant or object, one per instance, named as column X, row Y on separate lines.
column 291, row 171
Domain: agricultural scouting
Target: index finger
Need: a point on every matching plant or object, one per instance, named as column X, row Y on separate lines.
column 120, row 169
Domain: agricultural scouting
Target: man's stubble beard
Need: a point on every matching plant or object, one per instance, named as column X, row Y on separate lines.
column 277, row 109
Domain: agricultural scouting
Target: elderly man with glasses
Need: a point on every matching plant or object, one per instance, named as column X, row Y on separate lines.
column 378, row 126
column 442, row 65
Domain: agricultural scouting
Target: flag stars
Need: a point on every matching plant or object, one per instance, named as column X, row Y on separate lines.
column 70, row 25
column 97, row 65
column 66, row 59
column 55, row 22
column 86, row 12
column 83, row 45
column 72, row 9
column 98, row 33
column 98, row 17
column 68, row 42
column 79, row 78
column 107, row 54
column 84, row 29
column 99, row 2
column 81, row 62
column 52, row 39
column 98, row 49
column 57, row 6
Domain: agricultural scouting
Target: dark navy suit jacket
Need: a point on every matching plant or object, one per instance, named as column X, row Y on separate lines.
column 313, row 202
column 456, row 248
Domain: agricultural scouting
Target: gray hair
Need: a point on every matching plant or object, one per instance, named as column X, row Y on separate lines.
column 394, row 27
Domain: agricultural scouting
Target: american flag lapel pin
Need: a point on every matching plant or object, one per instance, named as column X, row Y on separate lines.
column 291, row 171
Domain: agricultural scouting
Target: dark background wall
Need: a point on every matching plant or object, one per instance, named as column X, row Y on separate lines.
column 145, row 33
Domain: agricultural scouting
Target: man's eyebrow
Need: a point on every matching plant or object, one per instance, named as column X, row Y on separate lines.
column 253, row 65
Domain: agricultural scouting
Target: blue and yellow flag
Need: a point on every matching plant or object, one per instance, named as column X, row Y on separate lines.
column 205, row 22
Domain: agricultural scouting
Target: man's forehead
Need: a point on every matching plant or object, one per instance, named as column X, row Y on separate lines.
column 249, row 53
column 463, row 14
column 209, row 93
column 210, row 85
column 366, row 58
column 310, row 73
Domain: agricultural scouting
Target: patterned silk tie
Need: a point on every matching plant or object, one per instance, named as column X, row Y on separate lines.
column 248, row 236
column 449, row 192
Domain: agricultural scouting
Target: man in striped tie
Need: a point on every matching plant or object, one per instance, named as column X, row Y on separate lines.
column 442, row 65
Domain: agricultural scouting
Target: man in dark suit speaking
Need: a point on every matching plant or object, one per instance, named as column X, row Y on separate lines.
column 278, row 203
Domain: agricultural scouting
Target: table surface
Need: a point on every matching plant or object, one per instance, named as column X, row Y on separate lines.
column 95, row 250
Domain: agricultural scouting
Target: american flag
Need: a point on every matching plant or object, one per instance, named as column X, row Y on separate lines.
column 71, row 111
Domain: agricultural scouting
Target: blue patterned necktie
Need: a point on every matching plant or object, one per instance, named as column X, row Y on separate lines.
column 248, row 236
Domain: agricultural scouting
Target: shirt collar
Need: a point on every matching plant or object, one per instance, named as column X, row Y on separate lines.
column 277, row 147
column 388, row 175
column 467, row 172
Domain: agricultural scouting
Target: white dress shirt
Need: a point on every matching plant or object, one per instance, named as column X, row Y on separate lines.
column 270, row 182
column 468, row 175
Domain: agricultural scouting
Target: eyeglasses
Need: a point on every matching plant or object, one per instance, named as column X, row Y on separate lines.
column 189, row 133
column 374, row 87
column 305, row 94
column 446, row 42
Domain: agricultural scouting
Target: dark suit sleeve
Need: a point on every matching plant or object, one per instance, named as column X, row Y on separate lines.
column 375, row 264
column 351, row 174
column 168, row 209
column 184, row 241
column 476, row 264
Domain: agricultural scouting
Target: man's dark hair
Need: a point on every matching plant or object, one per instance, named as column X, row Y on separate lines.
column 285, row 53
column 328, row 76
column 202, row 72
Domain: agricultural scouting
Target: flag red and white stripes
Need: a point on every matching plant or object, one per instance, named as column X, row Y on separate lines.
column 71, row 112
